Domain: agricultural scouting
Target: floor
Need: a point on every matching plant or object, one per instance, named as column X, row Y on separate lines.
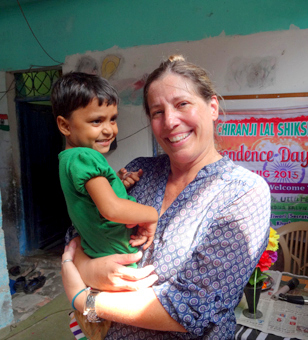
column 43, row 314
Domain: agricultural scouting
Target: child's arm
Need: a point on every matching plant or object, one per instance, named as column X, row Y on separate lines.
column 121, row 210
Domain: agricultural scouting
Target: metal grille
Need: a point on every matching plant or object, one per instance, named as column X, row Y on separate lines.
column 35, row 84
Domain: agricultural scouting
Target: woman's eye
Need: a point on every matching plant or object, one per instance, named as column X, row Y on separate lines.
column 156, row 113
column 183, row 104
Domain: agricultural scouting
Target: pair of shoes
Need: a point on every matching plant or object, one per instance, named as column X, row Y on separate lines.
column 22, row 271
column 35, row 282
column 21, row 282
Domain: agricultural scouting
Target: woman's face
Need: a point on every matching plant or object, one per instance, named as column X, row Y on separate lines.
column 182, row 121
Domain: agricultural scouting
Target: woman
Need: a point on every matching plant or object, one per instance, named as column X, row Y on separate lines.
column 213, row 226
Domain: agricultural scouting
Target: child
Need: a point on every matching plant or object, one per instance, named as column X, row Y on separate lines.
column 85, row 107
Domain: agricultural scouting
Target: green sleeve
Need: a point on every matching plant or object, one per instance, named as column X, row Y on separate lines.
column 85, row 164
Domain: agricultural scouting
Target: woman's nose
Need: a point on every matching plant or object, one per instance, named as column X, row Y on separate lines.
column 170, row 119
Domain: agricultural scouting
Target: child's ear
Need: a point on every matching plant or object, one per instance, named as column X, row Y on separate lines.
column 63, row 125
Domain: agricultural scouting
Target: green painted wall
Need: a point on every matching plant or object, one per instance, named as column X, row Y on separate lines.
column 76, row 26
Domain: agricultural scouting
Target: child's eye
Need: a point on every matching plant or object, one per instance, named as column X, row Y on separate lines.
column 96, row 122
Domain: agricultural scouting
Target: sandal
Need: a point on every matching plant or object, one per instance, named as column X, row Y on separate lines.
column 25, row 271
column 34, row 284
column 30, row 269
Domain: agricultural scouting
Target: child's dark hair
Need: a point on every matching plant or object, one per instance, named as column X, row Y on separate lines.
column 76, row 89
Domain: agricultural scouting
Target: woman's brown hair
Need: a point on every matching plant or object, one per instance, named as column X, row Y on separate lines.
column 178, row 65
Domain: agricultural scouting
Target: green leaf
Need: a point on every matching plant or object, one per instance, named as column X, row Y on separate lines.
column 256, row 277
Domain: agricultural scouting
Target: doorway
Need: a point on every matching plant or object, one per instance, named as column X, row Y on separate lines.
column 44, row 209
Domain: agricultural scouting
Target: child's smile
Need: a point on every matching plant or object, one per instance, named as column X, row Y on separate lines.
column 93, row 127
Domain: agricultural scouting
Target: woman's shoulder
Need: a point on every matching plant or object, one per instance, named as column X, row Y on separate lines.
column 244, row 176
column 148, row 163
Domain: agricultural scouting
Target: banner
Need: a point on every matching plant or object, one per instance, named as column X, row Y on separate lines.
column 273, row 144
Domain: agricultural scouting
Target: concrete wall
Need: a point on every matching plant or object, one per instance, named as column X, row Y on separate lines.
column 268, row 62
column 5, row 296
column 68, row 27
column 9, row 173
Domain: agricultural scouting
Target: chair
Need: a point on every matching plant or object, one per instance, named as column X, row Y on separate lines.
column 293, row 242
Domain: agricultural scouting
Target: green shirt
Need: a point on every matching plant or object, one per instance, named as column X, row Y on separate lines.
column 99, row 236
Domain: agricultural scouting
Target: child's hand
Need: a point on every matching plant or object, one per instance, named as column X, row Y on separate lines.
column 129, row 178
column 145, row 234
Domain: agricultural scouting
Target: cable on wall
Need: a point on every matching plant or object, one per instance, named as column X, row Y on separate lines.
column 8, row 90
column 35, row 35
column 120, row 140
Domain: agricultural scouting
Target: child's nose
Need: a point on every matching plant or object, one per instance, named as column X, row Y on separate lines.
column 107, row 129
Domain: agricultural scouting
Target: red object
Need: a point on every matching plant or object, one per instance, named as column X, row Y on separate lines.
column 265, row 262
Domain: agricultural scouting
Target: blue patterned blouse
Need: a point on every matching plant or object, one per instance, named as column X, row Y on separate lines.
column 207, row 244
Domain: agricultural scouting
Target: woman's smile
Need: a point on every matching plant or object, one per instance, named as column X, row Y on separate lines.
column 179, row 137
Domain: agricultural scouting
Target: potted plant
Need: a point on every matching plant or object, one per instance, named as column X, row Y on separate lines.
column 254, row 286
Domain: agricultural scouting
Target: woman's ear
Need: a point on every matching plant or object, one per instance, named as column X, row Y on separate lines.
column 214, row 107
column 63, row 125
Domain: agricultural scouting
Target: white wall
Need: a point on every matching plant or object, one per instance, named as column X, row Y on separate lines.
column 271, row 62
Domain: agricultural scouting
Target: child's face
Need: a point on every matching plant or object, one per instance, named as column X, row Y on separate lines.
column 93, row 127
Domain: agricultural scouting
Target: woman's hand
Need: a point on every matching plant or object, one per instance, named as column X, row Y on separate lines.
column 139, row 309
column 71, row 278
column 110, row 274
column 129, row 178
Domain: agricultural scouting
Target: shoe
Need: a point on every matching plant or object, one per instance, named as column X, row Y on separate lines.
column 34, row 284
column 20, row 284
column 33, row 275
column 22, row 271
column 14, row 271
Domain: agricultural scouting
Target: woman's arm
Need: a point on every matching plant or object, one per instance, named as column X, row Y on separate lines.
column 109, row 272
column 140, row 308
